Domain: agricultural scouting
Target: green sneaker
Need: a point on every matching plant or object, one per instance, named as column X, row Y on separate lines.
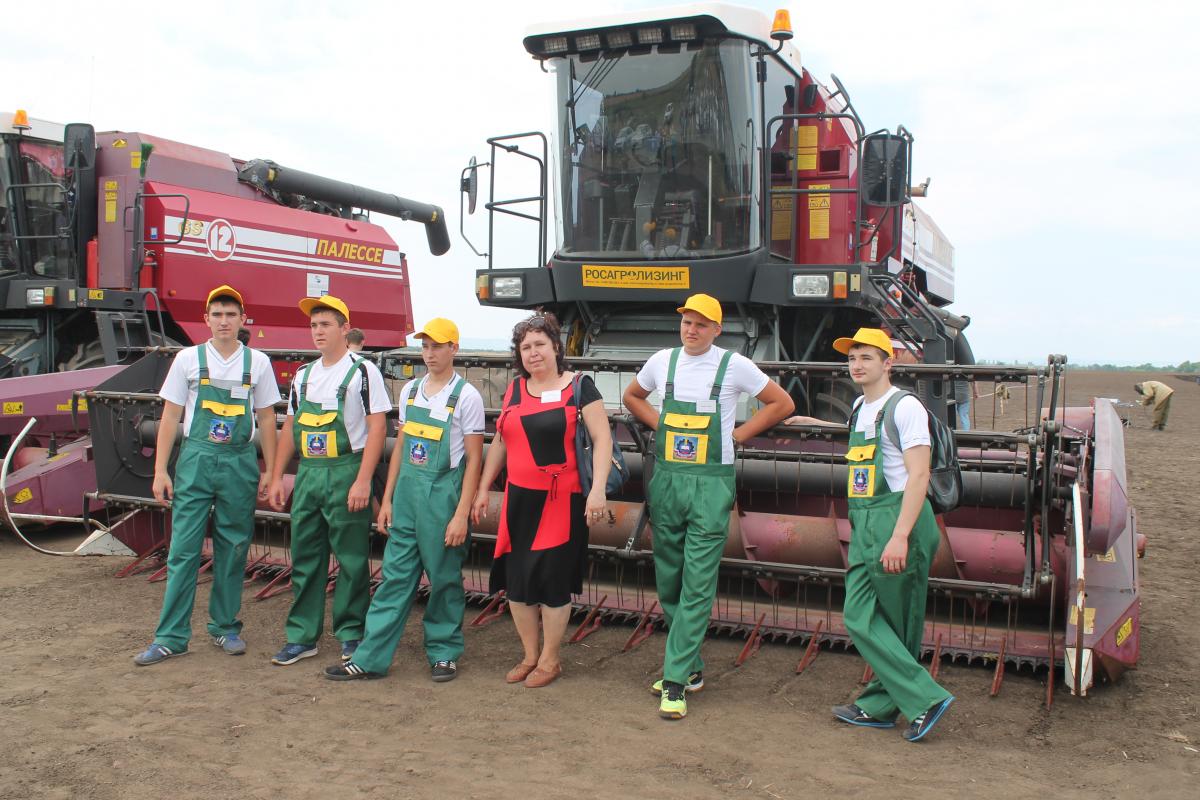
column 695, row 683
column 673, row 704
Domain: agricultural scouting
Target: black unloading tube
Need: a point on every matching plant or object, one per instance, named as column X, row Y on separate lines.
column 269, row 175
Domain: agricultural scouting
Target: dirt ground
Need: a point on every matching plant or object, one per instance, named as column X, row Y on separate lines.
column 79, row 720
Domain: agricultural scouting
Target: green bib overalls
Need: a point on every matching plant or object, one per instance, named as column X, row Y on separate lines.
column 321, row 521
column 885, row 613
column 425, row 499
column 217, row 469
column 691, row 495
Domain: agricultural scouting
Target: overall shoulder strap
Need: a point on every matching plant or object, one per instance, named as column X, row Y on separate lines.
column 720, row 379
column 452, row 401
column 246, row 362
column 202, row 358
column 344, row 386
column 669, row 389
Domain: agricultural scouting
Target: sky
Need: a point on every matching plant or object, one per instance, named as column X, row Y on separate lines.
column 1061, row 138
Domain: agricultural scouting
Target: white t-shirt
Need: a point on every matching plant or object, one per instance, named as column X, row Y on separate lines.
column 467, row 417
column 183, row 379
column 323, row 383
column 912, row 423
column 694, row 376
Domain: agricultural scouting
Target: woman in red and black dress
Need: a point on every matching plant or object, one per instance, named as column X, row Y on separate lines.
column 541, row 544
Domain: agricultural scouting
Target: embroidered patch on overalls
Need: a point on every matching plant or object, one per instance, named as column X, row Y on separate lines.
column 219, row 431
column 687, row 448
column 862, row 481
column 418, row 453
column 316, row 445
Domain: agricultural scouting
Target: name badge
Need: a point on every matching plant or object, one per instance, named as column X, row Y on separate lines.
column 330, row 405
column 869, row 433
column 552, row 396
column 239, row 392
column 440, row 414
column 706, row 406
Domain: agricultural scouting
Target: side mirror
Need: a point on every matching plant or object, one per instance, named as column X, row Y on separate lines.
column 79, row 145
column 469, row 184
column 884, row 175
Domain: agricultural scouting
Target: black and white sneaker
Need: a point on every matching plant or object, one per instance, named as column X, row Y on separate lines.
column 349, row 671
column 854, row 715
column 443, row 671
column 925, row 721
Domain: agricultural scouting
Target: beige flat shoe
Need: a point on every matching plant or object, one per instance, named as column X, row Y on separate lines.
column 518, row 673
column 543, row 677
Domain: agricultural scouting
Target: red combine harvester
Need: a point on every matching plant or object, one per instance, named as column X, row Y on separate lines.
column 109, row 244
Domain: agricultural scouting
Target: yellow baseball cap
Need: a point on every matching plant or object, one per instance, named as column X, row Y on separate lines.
column 327, row 301
column 440, row 330
column 224, row 290
column 872, row 336
column 703, row 304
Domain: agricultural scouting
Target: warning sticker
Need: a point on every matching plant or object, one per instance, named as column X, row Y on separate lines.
column 781, row 218
column 23, row 496
column 612, row 277
column 1089, row 618
column 1124, row 631
column 818, row 213
column 67, row 406
column 806, row 147
column 11, row 409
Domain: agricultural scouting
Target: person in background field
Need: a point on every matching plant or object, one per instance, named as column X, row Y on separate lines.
column 964, row 393
column 220, row 389
column 691, row 492
column 1157, row 395
column 335, row 420
column 542, row 536
column 893, row 538
column 355, row 340
column 431, row 481
column 243, row 336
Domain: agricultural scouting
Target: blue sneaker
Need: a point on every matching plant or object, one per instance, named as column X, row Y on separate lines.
column 349, row 647
column 291, row 653
column 156, row 653
column 925, row 721
column 854, row 715
column 231, row 643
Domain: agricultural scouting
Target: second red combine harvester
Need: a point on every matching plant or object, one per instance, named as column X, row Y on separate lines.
column 109, row 244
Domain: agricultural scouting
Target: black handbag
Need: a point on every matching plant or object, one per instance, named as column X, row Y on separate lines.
column 617, row 475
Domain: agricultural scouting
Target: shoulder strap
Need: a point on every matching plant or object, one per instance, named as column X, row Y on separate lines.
column 575, row 396
column 304, row 380
column 720, row 379
column 669, row 389
column 202, row 357
column 889, row 415
column 855, row 407
column 452, row 401
column 246, row 367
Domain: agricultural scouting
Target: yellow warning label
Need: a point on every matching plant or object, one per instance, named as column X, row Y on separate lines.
column 818, row 213
column 67, row 405
column 23, row 496
column 1109, row 557
column 119, row 143
column 806, row 147
column 110, row 210
column 110, row 186
column 11, row 409
column 135, row 160
column 611, row 277
column 782, row 209
column 1089, row 618
column 1124, row 631
column 95, row 294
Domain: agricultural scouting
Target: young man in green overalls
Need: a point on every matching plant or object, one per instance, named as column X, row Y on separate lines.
column 893, row 539
column 432, row 477
column 219, row 389
column 691, row 493
column 336, row 423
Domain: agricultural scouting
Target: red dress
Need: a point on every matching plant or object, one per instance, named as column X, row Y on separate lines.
column 541, row 544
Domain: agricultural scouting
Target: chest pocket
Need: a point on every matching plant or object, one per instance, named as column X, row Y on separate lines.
column 688, row 442
column 860, row 478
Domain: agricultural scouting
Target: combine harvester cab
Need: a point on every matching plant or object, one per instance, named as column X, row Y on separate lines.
column 109, row 245
column 695, row 153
